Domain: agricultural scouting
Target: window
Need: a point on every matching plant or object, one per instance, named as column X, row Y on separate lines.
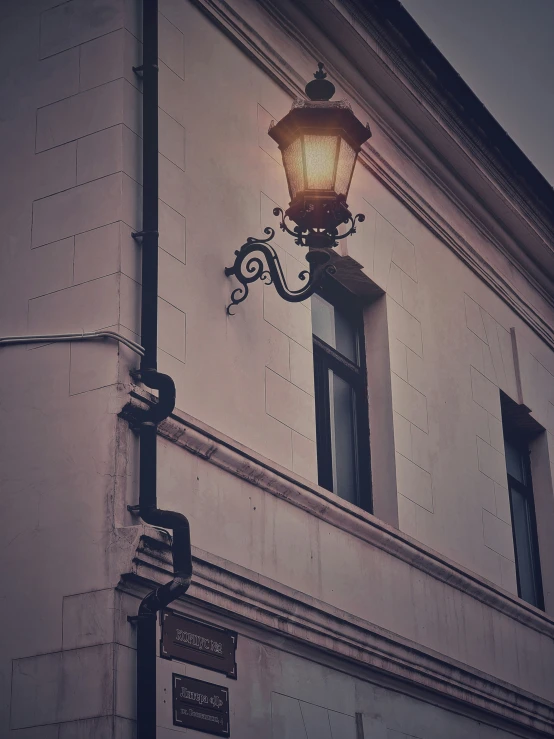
column 342, row 427
column 524, row 527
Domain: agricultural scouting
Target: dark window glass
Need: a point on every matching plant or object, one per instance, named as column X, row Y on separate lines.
column 333, row 327
column 342, row 402
column 341, row 397
column 514, row 463
column 523, row 523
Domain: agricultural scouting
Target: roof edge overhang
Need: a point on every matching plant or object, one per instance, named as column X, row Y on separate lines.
column 430, row 65
column 384, row 56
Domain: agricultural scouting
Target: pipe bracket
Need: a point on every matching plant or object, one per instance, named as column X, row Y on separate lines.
column 141, row 234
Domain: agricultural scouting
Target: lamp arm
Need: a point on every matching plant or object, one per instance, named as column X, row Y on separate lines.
column 258, row 260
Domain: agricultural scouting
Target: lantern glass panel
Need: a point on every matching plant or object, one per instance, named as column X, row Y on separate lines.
column 294, row 167
column 345, row 167
column 320, row 153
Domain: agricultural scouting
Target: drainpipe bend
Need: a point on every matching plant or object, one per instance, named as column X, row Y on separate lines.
column 165, row 406
column 148, row 510
column 148, row 505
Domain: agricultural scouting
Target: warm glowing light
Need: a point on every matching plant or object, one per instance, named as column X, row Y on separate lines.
column 319, row 162
column 345, row 167
column 293, row 162
column 319, row 158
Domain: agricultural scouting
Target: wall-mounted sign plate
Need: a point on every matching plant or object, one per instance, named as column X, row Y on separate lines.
column 200, row 705
column 198, row 643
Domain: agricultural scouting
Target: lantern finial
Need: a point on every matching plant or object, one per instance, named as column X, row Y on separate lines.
column 320, row 74
column 320, row 89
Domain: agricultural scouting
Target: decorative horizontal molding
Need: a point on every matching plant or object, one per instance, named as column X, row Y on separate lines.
column 203, row 441
column 254, row 45
column 390, row 55
column 246, row 37
column 437, row 99
column 269, row 609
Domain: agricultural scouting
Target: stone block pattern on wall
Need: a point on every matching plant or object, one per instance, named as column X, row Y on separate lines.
column 289, row 363
column 538, row 386
column 88, row 174
column 491, row 369
column 302, row 720
column 84, row 689
column 74, row 23
column 172, row 324
column 66, row 686
column 391, row 262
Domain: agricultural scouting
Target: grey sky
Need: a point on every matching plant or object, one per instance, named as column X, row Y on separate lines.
column 504, row 50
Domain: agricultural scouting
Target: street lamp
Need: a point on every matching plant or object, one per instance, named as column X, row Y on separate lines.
column 319, row 141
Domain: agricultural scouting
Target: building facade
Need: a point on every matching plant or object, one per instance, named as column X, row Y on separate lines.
column 417, row 600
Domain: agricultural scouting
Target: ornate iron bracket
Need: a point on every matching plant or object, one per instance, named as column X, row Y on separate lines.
column 257, row 260
column 320, row 238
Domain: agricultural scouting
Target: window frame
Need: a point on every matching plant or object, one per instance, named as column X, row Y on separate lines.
column 327, row 358
column 526, row 490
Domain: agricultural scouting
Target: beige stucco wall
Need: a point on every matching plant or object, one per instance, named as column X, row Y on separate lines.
column 286, row 696
column 440, row 338
column 250, row 375
column 69, row 201
column 239, row 522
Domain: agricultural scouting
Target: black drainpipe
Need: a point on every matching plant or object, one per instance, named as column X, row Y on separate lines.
column 149, row 376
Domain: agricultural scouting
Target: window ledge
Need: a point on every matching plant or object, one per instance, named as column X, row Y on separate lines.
column 218, row 449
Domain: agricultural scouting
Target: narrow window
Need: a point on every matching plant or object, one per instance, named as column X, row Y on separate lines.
column 524, row 527
column 341, row 396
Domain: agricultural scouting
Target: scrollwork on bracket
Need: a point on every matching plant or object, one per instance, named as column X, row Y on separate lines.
column 258, row 260
column 320, row 238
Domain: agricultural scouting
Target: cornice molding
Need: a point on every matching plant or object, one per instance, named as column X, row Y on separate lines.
column 254, row 45
column 246, row 464
column 430, row 90
column 389, row 52
column 247, row 38
column 272, row 612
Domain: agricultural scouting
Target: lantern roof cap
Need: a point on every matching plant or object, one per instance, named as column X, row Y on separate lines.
column 320, row 115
